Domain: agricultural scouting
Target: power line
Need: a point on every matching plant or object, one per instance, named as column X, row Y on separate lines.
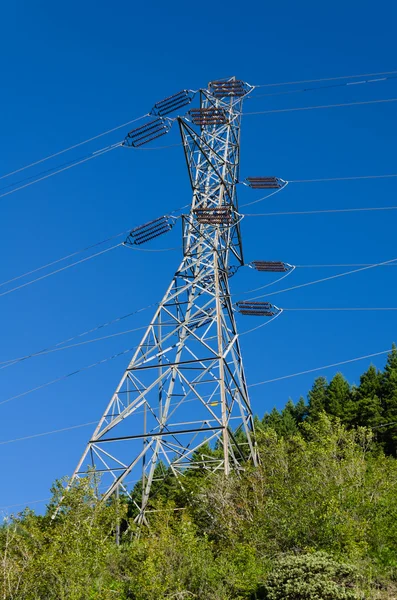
column 75, row 164
column 342, row 178
column 154, row 249
column 60, row 345
column 91, row 139
column 341, row 309
column 282, row 110
column 9, row 363
column 107, row 359
column 295, row 287
column 25, row 503
column 340, row 265
column 82, row 250
column 326, row 79
column 47, row 499
column 263, row 324
column 44, row 172
column 269, row 284
column 195, row 399
column 14, row 289
column 58, row 260
column 319, row 212
column 326, row 179
column 70, row 428
column 343, row 362
column 108, row 131
column 161, row 147
column 54, row 347
column 37, row 177
column 44, row 433
column 63, row 377
column 323, row 87
column 129, row 314
column 265, row 197
column 72, row 162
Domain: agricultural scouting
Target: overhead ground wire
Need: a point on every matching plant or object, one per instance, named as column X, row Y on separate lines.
column 326, row 79
column 322, row 87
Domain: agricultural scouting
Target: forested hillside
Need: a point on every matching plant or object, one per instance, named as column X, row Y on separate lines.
column 373, row 404
column 316, row 520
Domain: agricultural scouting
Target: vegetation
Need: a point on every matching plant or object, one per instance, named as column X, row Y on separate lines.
column 317, row 520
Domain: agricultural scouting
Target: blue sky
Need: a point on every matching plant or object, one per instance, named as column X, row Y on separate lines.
column 70, row 71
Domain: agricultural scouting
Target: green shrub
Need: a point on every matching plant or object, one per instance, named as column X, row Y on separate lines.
column 310, row 577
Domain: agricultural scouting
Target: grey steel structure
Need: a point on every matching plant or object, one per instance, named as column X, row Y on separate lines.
column 185, row 383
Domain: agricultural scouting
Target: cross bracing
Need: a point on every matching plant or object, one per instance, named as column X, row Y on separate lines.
column 190, row 350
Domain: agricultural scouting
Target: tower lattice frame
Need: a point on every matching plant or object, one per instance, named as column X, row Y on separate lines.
column 185, row 384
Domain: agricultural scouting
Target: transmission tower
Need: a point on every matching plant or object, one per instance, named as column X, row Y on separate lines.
column 185, row 384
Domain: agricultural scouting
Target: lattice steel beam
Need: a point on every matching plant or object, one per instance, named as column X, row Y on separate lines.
column 185, row 384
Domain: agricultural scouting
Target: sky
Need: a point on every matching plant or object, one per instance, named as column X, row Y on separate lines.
column 71, row 71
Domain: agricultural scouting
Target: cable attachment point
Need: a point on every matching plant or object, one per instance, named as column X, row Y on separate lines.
column 228, row 88
column 232, row 270
column 148, row 132
column 265, row 183
column 149, row 231
column 172, row 103
column 257, row 309
column 270, row 266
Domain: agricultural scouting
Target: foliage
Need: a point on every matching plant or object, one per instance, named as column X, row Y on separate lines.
column 373, row 404
column 324, row 491
column 311, row 577
column 317, row 518
column 60, row 557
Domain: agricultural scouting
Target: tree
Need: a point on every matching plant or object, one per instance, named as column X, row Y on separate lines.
column 61, row 558
column 301, row 410
column 284, row 422
column 389, row 402
column 370, row 383
column 337, row 398
column 272, row 419
column 365, row 399
column 317, row 397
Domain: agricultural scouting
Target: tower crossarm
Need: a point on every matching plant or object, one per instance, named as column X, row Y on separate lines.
column 185, row 384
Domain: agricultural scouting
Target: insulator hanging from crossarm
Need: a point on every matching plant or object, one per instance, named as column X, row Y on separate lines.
column 257, row 309
column 230, row 88
column 265, row 183
column 214, row 215
column 270, row 266
column 148, row 132
column 172, row 103
column 208, row 116
column 149, row 231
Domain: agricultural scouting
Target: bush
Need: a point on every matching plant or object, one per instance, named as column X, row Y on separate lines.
column 310, row 577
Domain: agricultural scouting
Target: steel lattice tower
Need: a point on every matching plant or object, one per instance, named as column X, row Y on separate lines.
column 185, row 383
